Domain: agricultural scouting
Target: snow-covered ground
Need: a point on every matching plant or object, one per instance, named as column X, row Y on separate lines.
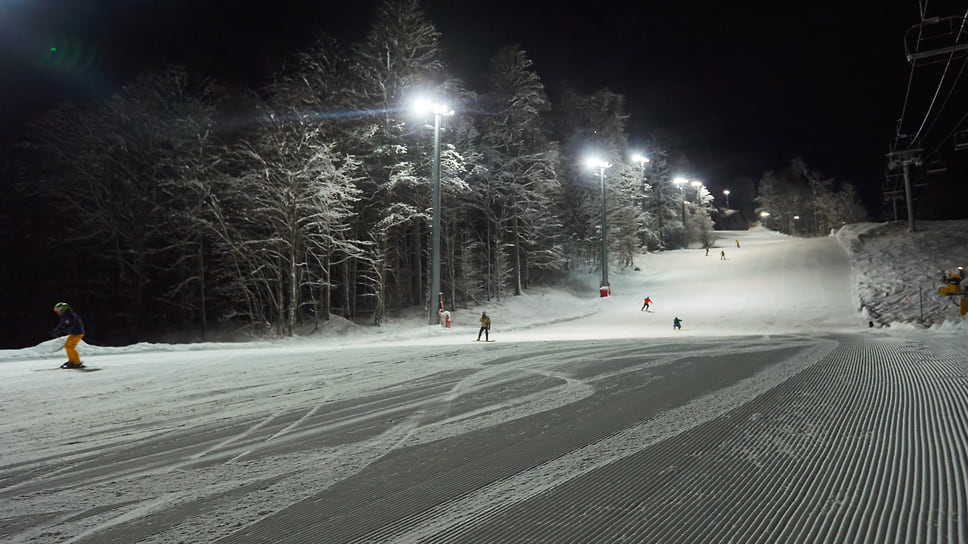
column 769, row 288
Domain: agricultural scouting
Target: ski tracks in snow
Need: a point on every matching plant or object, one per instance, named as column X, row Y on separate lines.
column 870, row 444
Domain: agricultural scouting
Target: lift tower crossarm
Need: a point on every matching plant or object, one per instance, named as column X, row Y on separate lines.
column 945, row 38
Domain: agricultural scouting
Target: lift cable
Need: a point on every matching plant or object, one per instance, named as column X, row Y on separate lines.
column 950, row 134
column 948, row 97
column 937, row 91
column 907, row 92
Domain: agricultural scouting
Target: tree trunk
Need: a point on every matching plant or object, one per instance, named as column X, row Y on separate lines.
column 417, row 267
column 203, row 309
column 517, row 256
column 327, row 293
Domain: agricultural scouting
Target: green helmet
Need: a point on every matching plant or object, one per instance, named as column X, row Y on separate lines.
column 60, row 306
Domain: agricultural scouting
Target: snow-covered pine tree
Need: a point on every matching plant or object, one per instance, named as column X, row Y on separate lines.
column 400, row 55
column 588, row 122
column 521, row 164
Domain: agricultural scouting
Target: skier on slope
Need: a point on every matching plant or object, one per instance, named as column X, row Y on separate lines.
column 645, row 304
column 676, row 323
column 71, row 324
column 485, row 328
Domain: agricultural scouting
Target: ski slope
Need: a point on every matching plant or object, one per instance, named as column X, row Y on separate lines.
column 791, row 416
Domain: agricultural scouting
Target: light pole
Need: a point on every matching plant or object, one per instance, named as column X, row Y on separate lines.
column 726, row 192
column 605, row 289
column 642, row 160
column 698, row 185
column 439, row 110
column 764, row 215
column 682, row 196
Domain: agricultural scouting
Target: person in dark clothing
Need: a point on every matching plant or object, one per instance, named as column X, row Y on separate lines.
column 485, row 327
column 71, row 324
column 677, row 323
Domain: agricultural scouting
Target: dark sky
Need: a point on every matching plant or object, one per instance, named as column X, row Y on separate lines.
column 744, row 87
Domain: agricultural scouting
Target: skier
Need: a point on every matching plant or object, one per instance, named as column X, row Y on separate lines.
column 707, row 251
column 677, row 324
column 485, row 328
column 722, row 255
column 645, row 304
column 737, row 243
column 70, row 323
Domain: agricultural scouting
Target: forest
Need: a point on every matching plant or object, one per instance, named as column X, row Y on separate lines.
column 182, row 208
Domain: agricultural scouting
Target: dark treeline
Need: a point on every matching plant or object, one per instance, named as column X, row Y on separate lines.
column 179, row 204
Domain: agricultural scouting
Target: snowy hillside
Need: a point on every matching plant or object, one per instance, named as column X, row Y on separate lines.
column 754, row 290
column 898, row 273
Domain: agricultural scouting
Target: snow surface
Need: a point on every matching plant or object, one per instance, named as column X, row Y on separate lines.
column 762, row 290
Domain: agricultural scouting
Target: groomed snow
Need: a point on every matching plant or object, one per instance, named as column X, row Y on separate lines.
column 771, row 289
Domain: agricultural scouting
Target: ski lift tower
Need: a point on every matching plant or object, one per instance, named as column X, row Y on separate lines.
column 930, row 38
column 905, row 158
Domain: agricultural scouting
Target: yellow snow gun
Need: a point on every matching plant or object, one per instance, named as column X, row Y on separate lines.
column 952, row 282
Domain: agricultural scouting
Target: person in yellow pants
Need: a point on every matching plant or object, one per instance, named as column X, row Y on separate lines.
column 70, row 323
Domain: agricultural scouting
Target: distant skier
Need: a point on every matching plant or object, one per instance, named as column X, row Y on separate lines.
column 645, row 304
column 722, row 255
column 70, row 323
column 485, row 327
column 737, row 243
column 707, row 251
column 677, row 324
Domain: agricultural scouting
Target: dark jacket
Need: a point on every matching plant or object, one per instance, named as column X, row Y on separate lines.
column 70, row 323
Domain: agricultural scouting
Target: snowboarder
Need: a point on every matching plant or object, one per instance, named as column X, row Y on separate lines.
column 70, row 323
column 722, row 255
column 485, row 327
column 645, row 304
column 677, row 324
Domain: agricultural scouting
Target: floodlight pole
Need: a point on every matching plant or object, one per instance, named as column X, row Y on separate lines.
column 601, row 174
column 682, row 199
column 434, row 317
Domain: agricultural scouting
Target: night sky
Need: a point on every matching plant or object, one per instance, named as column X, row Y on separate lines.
column 744, row 88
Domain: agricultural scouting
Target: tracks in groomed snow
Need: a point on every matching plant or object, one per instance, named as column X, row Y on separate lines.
column 868, row 445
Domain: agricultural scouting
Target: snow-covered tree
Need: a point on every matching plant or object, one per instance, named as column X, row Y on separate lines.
column 521, row 164
column 124, row 173
column 820, row 202
column 292, row 203
column 595, row 122
column 399, row 56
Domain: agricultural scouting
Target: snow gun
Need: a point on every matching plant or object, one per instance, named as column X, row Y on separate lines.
column 952, row 287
